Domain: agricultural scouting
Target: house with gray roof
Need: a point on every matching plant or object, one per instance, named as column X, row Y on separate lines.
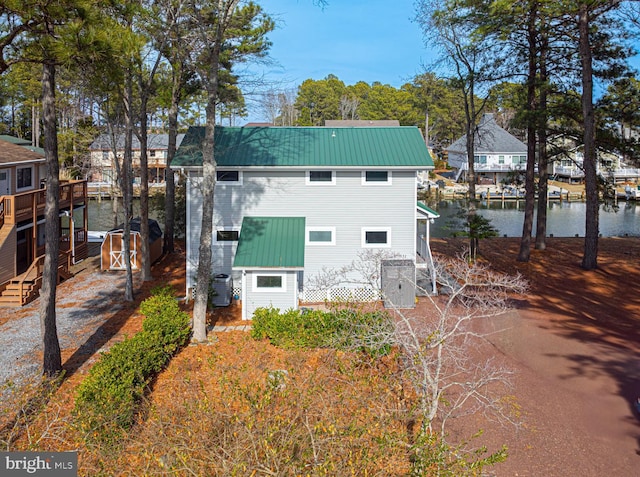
column 497, row 153
column 296, row 209
column 104, row 149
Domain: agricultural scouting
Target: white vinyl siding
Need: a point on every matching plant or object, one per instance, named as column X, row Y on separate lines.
column 348, row 208
column 254, row 297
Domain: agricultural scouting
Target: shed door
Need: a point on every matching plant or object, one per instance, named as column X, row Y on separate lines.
column 116, row 252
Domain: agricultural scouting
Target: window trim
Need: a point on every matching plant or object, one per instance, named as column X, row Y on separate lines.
column 229, row 183
column 308, row 240
column 32, row 185
column 308, row 181
column 363, row 237
column 256, row 289
column 388, row 182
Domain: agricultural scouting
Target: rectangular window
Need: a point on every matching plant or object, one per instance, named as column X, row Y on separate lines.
column 24, row 178
column 228, row 176
column 323, row 177
column 376, row 177
column 227, row 235
column 321, row 235
column 152, row 153
column 269, row 282
column 500, row 159
column 376, row 237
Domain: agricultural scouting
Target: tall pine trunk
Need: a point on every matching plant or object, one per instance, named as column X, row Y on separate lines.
column 204, row 271
column 170, row 186
column 527, row 226
column 590, row 256
column 127, row 188
column 144, row 193
column 543, row 157
column 52, row 360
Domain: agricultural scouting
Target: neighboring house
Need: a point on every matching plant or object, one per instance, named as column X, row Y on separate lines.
column 497, row 153
column 569, row 168
column 22, row 228
column 103, row 168
column 295, row 205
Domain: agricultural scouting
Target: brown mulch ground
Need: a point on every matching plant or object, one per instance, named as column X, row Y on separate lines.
column 575, row 346
column 574, row 343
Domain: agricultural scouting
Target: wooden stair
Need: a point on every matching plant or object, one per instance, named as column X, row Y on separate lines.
column 25, row 288
column 18, row 294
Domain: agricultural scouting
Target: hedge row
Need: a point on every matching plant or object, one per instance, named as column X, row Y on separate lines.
column 107, row 400
column 347, row 329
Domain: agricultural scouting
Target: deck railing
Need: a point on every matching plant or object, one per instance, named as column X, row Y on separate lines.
column 26, row 205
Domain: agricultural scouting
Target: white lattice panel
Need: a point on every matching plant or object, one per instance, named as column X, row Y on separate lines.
column 341, row 294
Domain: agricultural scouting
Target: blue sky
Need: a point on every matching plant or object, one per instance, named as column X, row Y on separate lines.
column 356, row 40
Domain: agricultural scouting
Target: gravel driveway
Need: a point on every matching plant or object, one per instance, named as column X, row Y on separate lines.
column 84, row 303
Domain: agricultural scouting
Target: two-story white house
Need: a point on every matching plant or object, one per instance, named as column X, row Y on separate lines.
column 292, row 204
column 103, row 153
column 497, row 153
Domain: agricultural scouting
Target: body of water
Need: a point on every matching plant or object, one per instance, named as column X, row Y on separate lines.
column 564, row 219
column 101, row 217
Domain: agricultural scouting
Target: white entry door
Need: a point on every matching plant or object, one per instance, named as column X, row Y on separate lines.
column 5, row 181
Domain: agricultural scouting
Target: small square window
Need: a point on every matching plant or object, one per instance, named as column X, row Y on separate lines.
column 376, row 237
column 228, row 176
column 377, row 176
column 269, row 281
column 227, row 235
column 320, row 176
column 321, row 235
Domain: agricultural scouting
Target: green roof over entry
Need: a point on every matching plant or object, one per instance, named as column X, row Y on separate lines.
column 271, row 242
column 388, row 147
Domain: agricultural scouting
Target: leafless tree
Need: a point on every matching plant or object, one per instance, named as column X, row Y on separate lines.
column 439, row 349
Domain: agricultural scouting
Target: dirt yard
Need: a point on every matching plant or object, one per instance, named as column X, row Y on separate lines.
column 574, row 343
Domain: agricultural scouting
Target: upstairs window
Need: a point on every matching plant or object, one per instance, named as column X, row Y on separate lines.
column 376, row 177
column 321, row 178
column 228, row 177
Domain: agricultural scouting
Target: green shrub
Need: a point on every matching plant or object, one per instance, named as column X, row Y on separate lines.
column 107, row 400
column 341, row 329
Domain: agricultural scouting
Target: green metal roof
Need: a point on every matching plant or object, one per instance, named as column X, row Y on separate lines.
column 389, row 147
column 428, row 210
column 271, row 242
